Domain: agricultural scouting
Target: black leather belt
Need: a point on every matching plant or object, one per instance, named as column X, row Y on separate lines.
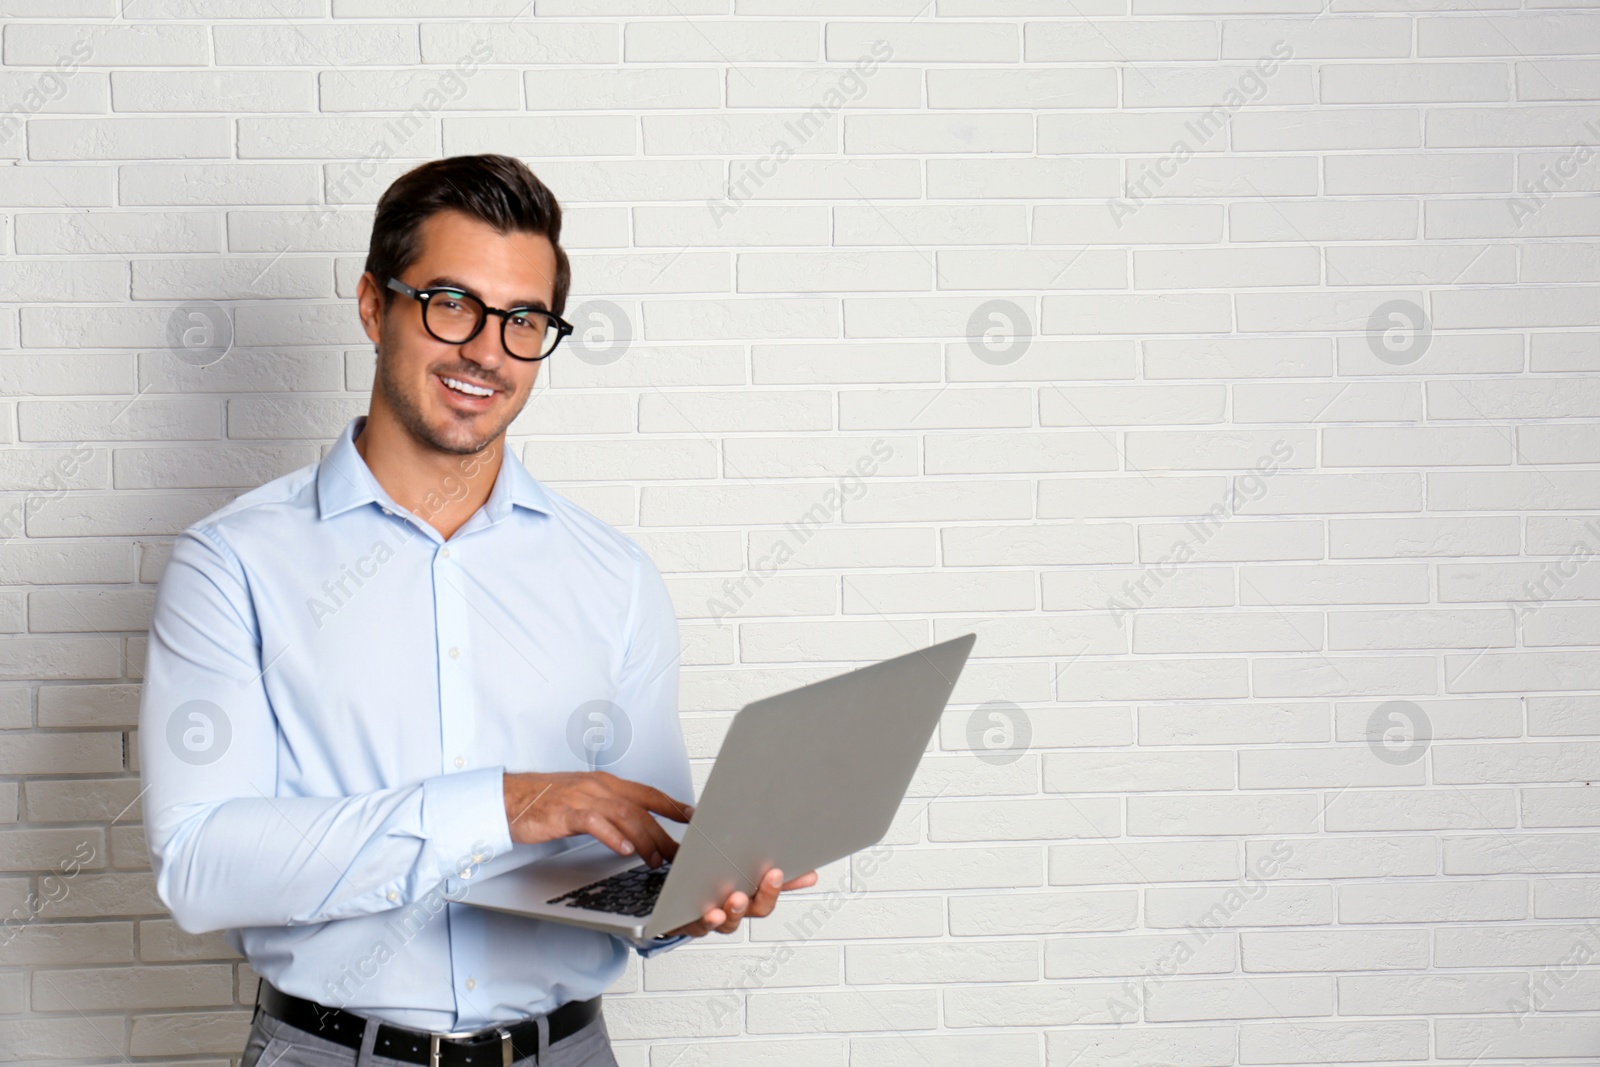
column 494, row 1046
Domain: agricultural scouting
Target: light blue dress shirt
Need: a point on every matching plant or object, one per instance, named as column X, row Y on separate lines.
column 331, row 695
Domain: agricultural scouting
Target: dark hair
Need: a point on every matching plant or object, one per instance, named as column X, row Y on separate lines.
column 495, row 189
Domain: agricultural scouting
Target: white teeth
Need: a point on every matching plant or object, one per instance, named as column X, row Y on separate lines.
column 470, row 390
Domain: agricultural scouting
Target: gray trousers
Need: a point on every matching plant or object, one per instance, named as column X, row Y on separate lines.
column 274, row 1043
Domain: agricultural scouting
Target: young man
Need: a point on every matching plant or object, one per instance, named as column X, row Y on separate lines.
column 410, row 666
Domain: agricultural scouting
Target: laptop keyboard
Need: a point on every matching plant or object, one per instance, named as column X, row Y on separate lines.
column 631, row 892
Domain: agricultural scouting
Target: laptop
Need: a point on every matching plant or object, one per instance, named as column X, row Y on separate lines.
column 803, row 778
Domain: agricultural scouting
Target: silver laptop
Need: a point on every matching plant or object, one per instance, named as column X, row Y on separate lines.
column 803, row 778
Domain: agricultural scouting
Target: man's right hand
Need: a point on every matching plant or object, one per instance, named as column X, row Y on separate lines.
column 616, row 811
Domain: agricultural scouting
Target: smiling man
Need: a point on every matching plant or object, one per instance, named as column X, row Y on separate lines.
column 382, row 677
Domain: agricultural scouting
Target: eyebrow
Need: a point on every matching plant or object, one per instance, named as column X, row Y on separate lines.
column 446, row 281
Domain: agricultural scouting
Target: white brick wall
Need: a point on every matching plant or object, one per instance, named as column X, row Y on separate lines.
column 1068, row 279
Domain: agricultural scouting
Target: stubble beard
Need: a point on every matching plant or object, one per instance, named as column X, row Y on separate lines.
column 456, row 438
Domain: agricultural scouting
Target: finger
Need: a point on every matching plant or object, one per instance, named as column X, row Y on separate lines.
column 734, row 909
column 650, row 797
column 766, row 894
column 802, row 882
column 648, row 837
column 653, row 842
column 596, row 825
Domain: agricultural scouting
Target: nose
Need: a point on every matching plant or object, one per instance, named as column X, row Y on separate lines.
column 485, row 350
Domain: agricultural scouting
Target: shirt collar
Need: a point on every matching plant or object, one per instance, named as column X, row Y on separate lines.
column 344, row 481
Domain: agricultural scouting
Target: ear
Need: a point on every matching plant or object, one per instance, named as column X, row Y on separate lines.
column 369, row 306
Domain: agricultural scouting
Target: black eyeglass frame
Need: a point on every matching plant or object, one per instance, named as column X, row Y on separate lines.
column 422, row 296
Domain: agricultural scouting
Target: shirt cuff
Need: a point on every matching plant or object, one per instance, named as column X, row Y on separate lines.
column 462, row 810
column 661, row 945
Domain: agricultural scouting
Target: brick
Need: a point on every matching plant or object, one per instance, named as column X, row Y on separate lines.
column 1315, row 1042
column 994, row 961
column 1334, row 950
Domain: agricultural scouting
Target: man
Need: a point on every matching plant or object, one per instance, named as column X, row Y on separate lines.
column 377, row 680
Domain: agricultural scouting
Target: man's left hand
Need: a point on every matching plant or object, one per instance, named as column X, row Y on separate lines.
column 726, row 919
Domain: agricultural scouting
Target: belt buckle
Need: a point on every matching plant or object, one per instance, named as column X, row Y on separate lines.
column 435, row 1038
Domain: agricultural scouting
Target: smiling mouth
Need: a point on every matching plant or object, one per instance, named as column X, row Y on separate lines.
column 468, row 389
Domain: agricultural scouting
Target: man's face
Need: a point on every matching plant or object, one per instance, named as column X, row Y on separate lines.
column 504, row 271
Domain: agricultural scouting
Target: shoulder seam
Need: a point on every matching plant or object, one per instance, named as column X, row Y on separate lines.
column 210, row 533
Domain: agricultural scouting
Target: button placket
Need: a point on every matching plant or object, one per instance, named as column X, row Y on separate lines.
column 457, row 714
column 457, row 725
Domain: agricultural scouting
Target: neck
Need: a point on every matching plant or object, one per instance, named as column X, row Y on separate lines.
column 444, row 489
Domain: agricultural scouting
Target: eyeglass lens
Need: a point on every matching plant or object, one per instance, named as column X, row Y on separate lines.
column 453, row 316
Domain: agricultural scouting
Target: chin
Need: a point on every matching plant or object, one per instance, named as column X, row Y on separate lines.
column 452, row 432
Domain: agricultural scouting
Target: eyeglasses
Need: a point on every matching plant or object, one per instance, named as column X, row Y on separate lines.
column 455, row 316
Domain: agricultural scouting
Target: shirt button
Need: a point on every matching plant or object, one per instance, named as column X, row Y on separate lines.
column 386, row 511
column 455, row 653
column 392, row 895
column 472, row 983
column 444, row 553
column 461, row 761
